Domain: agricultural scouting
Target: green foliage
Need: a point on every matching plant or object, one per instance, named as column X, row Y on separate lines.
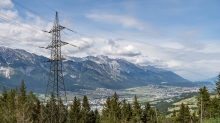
column 217, row 84
column 75, row 111
column 85, row 111
column 17, row 106
column 137, row 111
column 184, row 114
column 204, row 103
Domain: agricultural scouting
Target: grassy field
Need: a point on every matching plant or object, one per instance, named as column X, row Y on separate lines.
column 191, row 102
column 212, row 121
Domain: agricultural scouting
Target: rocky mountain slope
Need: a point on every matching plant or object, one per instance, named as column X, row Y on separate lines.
column 80, row 73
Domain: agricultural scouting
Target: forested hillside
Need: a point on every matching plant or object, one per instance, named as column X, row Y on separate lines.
column 16, row 106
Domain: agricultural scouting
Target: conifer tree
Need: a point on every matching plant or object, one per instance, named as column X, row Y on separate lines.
column 106, row 111
column 214, row 107
column 34, row 105
column 75, row 111
column 204, row 99
column 147, row 113
column 217, row 85
column 62, row 111
column 23, row 109
column 97, row 116
column 136, row 112
column 51, row 112
column 22, row 97
column 187, row 114
column 3, row 99
column 4, row 94
column 124, row 112
column 9, row 108
column 174, row 113
column 184, row 114
column 194, row 118
column 115, row 108
column 41, row 116
column 91, row 117
column 85, row 110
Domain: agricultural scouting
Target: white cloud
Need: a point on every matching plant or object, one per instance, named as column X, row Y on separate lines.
column 6, row 4
column 210, row 48
column 183, row 55
column 111, row 48
column 126, row 21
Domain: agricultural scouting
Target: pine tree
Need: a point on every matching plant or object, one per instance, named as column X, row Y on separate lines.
column 217, row 85
column 174, row 113
column 194, row 118
column 106, row 111
column 9, row 109
column 115, row 108
column 124, row 112
column 129, row 112
column 23, row 97
column 136, row 112
column 147, row 113
column 75, row 111
column 91, row 117
column 62, row 111
column 52, row 110
column 97, row 116
column 41, row 117
column 184, row 114
column 204, row 99
column 23, row 109
column 3, row 99
column 4, row 94
column 85, row 110
column 34, row 105
column 214, row 106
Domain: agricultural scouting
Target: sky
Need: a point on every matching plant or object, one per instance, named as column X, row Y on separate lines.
column 177, row 35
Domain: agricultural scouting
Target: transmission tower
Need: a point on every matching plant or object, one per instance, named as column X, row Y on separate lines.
column 56, row 84
column 55, row 81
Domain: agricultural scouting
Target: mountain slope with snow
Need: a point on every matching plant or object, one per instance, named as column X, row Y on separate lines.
column 80, row 73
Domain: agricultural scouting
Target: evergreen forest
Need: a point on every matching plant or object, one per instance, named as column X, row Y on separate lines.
column 16, row 106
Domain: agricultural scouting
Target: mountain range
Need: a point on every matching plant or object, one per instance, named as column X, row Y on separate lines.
column 81, row 73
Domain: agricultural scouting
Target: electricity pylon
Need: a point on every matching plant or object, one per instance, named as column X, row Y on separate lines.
column 56, row 84
column 55, row 81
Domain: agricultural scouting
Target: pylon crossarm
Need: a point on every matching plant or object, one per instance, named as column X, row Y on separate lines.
column 58, row 28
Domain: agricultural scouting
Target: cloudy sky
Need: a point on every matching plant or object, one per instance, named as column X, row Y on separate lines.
column 178, row 35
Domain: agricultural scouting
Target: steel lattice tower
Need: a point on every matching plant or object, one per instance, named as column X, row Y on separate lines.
column 56, row 84
column 55, row 81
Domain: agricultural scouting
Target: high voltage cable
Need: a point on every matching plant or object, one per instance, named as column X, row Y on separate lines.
column 24, row 27
column 10, row 17
column 134, row 40
column 31, row 11
column 20, row 25
column 7, row 38
column 156, row 46
column 47, row 5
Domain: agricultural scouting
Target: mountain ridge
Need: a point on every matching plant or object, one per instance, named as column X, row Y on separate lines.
column 80, row 73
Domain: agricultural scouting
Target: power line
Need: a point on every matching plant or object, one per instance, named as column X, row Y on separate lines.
column 127, row 37
column 21, row 25
column 24, row 7
column 7, row 38
column 47, row 5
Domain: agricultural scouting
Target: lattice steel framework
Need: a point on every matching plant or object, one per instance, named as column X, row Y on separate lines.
column 55, row 81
